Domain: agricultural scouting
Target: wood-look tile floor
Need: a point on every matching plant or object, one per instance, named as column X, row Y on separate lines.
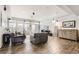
column 53, row 46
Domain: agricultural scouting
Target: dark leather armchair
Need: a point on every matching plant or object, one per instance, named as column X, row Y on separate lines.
column 17, row 39
column 39, row 38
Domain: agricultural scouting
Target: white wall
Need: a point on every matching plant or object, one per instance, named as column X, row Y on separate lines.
column 4, row 20
column 77, row 22
column 44, row 14
column 68, row 18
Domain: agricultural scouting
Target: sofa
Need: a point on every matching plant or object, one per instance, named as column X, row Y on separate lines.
column 15, row 39
column 5, row 40
column 39, row 38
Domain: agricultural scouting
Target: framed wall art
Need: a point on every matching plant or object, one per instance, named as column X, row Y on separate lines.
column 69, row 24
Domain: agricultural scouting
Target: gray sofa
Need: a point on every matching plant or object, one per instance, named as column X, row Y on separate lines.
column 17, row 39
column 39, row 38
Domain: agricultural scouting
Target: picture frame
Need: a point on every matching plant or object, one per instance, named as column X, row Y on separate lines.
column 69, row 24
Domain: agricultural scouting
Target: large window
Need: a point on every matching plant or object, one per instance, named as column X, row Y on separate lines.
column 27, row 27
column 24, row 26
column 12, row 25
column 19, row 26
column 35, row 27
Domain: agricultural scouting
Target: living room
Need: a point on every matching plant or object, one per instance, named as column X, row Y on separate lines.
column 39, row 29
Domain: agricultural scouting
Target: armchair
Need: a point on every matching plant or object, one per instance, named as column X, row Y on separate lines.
column 39, row 38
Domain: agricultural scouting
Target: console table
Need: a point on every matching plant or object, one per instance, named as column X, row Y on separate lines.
column 71, row 34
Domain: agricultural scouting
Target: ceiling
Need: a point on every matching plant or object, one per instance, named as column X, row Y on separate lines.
column 72, row 9
column 41, row 11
